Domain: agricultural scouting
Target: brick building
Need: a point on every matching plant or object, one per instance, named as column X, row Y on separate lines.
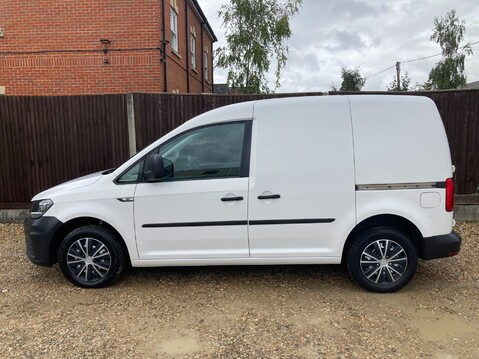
column 71, row 47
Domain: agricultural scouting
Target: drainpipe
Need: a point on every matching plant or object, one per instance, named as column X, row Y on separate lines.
column 202, row 60
column 163, row 41
column 188, row 37
column 212, row 70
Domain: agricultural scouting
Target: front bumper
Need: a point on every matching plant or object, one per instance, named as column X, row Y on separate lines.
column 39, row 236
column 446, row 245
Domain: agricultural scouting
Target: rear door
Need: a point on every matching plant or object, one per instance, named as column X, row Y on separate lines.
column 302, row 190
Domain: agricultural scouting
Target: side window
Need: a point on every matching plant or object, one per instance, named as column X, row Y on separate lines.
column 207, row 152
column 132, row 175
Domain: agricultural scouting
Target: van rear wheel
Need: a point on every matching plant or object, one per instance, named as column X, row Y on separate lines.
column 91, row 257
column 382, row 260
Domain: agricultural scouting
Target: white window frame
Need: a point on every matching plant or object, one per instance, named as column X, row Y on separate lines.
column 205, row 59
column 193, row 50
column 174, row 29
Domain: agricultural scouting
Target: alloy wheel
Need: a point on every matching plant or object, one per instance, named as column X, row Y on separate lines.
column 383, row 261
column 88, row 259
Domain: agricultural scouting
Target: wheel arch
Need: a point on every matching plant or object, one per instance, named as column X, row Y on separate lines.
column 70, row 225
column 385, row 220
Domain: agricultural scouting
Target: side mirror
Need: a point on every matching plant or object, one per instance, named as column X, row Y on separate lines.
column 154, row 168
column 157, row 168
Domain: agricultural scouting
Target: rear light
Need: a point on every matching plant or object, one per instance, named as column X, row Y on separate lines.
column 449, row 195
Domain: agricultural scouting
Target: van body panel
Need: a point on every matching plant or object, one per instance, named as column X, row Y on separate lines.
column 100, row 201
column 399, row 139
column 302, row 151
column 75, row 184
column 407, row 204
column 187, row 219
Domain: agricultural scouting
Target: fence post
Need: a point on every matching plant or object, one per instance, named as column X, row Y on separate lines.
column 130, row 108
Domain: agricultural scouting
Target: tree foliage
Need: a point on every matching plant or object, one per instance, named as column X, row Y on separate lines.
column 448, row 73
column 352, row 79
column 405, row 82
column 256, row 32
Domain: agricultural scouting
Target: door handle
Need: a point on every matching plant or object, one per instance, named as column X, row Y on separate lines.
column 230, row 199
column 269, row 196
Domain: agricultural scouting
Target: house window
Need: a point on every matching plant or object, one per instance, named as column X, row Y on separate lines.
column 206, row 64
column 193, row 50
column 174, row 29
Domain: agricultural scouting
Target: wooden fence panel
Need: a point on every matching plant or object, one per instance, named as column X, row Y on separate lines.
column 45, row 141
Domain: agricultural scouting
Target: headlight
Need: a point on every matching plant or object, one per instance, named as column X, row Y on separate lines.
column 40, row 207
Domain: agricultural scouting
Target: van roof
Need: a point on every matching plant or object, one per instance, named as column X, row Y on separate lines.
column 245, row 110
column 339, row 98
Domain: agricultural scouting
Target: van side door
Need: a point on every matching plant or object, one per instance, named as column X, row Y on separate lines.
column 302, row 187
column 199, row 211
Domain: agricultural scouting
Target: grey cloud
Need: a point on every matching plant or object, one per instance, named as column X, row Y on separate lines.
column 345, row 40
column 413, row 7
column 311, row 62
column 359, row 9
column 304, row 59
column 376, row 41
column 302, row 83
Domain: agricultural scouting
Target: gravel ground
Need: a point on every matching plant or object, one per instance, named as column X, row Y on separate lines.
column 239, row 312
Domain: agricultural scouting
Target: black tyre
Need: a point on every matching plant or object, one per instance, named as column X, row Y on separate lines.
column 382, row 260
column 91, row 257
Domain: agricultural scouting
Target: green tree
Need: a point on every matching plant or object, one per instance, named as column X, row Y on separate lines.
column 405, row 83
column 256, row 32
column 449, row 72
column 352, row 79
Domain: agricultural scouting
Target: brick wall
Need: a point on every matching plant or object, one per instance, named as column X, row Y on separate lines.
column 53, row 47
column 178, row 61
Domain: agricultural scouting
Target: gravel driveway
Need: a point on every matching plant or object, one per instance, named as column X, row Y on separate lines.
column 239, row 312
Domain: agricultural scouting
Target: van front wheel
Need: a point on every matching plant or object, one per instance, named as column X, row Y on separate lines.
column 382, row 260
column 91, row 257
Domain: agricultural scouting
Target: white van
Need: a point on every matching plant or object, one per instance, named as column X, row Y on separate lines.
column 361, row 180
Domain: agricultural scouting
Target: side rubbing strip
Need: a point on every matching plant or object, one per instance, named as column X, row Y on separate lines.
column 195, row 224
column 240, row 223
column 397, row 186
column 291, row 221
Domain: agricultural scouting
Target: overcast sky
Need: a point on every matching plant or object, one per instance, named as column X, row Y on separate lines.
column 371, row 34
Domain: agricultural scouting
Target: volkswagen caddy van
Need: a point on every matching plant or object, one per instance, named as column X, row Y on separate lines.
column 360, row 180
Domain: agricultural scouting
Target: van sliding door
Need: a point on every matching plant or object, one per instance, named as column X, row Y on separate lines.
column 302, row 190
